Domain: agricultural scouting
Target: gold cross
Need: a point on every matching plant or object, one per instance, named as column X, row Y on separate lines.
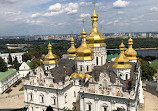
column 94, row 4
column 83, row 21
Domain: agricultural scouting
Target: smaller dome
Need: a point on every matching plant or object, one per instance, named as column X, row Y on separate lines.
column 130, row 52
column 84, row 52
column 72, row 50
column 50, row 58
column 94, row 16
column 121, row 62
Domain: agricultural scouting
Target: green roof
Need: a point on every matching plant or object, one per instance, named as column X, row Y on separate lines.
column 154, row 63
column 28, row 63
column 4, row 75
column 111, row 56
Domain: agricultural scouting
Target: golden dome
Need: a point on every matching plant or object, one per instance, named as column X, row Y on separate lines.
column 94, row 16
column 130, row 52
column 72, row 50
column 95, row 38
column 50, row 58
column 79, row 75
column 121, row 62
column 84, row 52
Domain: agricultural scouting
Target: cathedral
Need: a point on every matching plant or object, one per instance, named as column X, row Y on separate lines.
column 84, row 80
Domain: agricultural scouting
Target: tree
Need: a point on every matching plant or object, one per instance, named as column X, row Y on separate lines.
column 35, row 63
column 15, row 60
column 10, row 61
column 3, row 65
column 26, row 57
column 49, row 108
column 16, row 64
column 147, row 71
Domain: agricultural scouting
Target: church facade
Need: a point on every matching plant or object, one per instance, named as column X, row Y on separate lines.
column 85, row 81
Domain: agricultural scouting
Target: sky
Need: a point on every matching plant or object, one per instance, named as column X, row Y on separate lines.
column 42, row 17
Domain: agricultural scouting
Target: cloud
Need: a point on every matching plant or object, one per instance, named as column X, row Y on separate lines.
column 33, row 22
column 82, row 15
column 56, row 6
column 120, row 12
column 8, row 1
column 153, row 9
column 120, row 4
column 61, row 23
column 85, row 3
column 35, row 15
column 56, row 9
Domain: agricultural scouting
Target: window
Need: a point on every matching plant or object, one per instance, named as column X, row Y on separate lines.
column 105, row 109
column 102, row 60
column 74, row 94
column 53, row 99
column 89, row 107
column 80, row 68
column 87, row 68
column 96, row 60
column 126, row 76
column 42, row 98
column 66, row 98
column 31, row 97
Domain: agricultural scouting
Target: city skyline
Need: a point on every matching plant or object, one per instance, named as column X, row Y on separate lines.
column 30, row 17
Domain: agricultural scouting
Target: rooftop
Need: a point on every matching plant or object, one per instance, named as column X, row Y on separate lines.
column 4, row 75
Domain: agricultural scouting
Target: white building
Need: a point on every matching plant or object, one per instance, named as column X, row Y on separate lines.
column 24, row 69
column 13, row 55
column 7, row 79
column 87, row 82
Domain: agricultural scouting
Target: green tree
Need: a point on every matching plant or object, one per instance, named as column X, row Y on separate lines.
column 26, row 57
column 147, row 71
column 15, row 60
column 10, row 61
column 35, row 63
column 16, row 64
column 3, row 65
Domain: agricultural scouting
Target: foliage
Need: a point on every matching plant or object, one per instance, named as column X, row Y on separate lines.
column 18, row 82
column 26, row 57
column 147, row 71
column 49, row 108
column 35, row 63
column 10, row 61
column 16, row 64
column 150, row 58
column 12, row 51
column 21, row 89
column 8, row 90
column 3, row 65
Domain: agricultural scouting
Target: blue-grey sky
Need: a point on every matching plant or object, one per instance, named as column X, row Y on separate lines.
column 35, row 17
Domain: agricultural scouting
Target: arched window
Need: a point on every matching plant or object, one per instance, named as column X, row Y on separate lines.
column 80, row 67
column 74, row 94
column 101, row 60
column 97, row 61
column 41, row 98
column 66, row 98
column 126, row 76
column 87, row 68
column 53, row 99
column 31, row 96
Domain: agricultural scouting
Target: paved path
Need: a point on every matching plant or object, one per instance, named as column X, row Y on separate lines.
column 15, row 99
column 151, row 99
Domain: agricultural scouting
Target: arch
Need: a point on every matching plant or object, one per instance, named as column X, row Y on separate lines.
column 97, row 61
